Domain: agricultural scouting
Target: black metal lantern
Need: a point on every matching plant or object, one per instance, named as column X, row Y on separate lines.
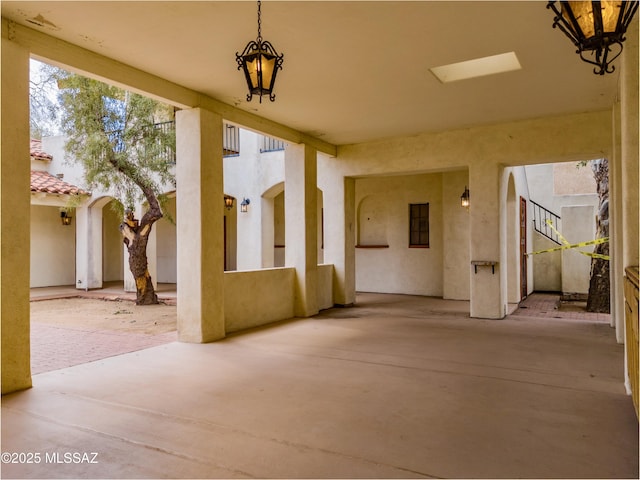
column 464, row 198
column 260, row 63
column 65, row 217
column 595, row 28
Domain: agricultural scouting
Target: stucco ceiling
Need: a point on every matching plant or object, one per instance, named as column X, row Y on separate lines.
column 353, row 71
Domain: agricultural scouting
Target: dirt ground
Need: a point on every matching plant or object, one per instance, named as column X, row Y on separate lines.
column 119, row 315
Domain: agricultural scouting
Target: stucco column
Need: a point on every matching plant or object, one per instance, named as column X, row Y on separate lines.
column 487, row 294
column 616, row 266
column 89, row 247
column 629, row 156
column 199, row 229
column 629, row 143
column 15, row 214
column 301, row 225
column 339, row 236
column 267, row 232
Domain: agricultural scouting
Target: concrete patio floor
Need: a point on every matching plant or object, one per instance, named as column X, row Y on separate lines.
column 396, row 387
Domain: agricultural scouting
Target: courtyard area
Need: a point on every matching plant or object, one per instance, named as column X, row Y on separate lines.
column 396, row 387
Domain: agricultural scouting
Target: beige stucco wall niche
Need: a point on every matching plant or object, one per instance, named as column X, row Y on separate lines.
column 385, row 262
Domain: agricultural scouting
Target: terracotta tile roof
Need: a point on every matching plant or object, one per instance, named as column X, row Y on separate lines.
column 37, row 152
column 47, row 183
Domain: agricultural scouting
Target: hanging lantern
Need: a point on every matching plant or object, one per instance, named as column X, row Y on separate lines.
column 464, row 198
column 597, row 29
column 65, row 217
column 260, row 63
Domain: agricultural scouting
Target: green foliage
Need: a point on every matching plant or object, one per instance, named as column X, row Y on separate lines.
column 43, row 110
column 114, row 135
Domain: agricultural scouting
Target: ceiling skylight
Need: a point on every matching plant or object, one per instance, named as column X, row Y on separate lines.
column 479, row 67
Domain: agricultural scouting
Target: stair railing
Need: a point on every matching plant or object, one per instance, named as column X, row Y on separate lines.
column 543, row 220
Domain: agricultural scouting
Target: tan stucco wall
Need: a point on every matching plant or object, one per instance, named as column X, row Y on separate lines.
column 166, row 245
column 579, row 223
column 325, row 286
column 399, row 268
column 455, row 237
column 257, row 297
column 573, row 179
column 547, row 267
column 52, row 248
column 112, row 246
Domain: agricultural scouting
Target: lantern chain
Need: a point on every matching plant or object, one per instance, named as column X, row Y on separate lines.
column 259, row 24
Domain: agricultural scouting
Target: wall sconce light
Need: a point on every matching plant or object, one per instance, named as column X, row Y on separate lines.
column 244, row 206
column 260, row 63
column 594, row 27
column 464, row 198
column 65, row 217
column 228, row 202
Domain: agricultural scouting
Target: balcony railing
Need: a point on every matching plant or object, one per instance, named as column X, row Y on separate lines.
column 231, row 141
column 168, row 153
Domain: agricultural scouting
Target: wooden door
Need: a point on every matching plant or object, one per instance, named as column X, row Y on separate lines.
column 523, row 248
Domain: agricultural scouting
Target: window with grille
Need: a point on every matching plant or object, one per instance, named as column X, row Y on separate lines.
column 419, row 225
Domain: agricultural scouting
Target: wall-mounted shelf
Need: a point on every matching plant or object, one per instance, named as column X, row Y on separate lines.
column 484, row 263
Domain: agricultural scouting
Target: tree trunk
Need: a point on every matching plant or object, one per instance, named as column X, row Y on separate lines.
column 135, row 238
column 599, row 284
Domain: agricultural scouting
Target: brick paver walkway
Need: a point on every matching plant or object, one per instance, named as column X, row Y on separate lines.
column 54, row 347
column 547, row 305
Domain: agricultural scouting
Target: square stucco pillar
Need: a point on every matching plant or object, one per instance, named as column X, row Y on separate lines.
column 630, row 160
column 339, row 239
column 629, row 86
column 200, row 234
column 89, row 247
column 15, row 214
column 488, row 299
column 301, row 225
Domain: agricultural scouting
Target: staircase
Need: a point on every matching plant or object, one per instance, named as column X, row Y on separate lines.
column 544, row 220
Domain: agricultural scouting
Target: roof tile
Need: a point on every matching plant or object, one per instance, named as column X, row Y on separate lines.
column 47, row 183
column 37, row 152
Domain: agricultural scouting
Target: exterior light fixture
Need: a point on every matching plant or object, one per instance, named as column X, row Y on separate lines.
column 464, row 198
column 260, row 63
column 65, row 217
column 228, row 202
column 595, row 28
column 244, row 206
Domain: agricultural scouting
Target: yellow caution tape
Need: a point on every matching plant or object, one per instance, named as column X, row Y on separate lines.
column 596, row 255
column 566, row 242
column 576, row 245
